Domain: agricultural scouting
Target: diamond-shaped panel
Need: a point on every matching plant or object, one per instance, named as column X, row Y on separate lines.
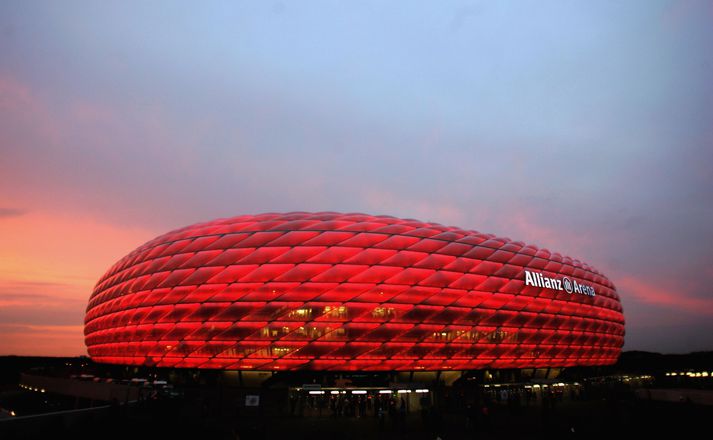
column 331, row 291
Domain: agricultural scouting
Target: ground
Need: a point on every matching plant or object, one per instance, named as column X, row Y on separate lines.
column 597, row 418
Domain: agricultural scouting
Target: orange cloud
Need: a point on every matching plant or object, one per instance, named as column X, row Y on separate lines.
column 42, row 340
column 49, row 263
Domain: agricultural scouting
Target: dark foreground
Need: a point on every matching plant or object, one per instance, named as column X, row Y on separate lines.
column 566, row 419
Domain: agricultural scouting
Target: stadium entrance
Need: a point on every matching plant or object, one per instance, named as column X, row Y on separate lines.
column 316, row 401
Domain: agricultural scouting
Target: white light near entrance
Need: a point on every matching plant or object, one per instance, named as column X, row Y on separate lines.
column 358, row 392
column 334, row 392
column 316, row 392
column 403, row 391
column 385, row 392
column 422, row 391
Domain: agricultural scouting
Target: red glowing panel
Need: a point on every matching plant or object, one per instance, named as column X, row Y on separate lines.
column 330, row 291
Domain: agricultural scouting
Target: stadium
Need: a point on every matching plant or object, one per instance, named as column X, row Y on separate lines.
column 349, row 292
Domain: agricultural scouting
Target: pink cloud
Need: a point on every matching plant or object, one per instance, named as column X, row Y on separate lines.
column 15, row 95
column 24, row 112
column 662, row 296
column 523, row 225
column 380, row 201
column 678, row 14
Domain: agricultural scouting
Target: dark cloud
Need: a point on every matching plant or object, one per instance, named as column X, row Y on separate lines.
column 11, row 212
column 66, row 313
column 41, row 303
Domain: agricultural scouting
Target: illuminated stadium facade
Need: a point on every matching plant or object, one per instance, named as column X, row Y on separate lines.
column 349, row 292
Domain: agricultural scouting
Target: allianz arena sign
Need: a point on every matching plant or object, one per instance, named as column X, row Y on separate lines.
column 538, row 279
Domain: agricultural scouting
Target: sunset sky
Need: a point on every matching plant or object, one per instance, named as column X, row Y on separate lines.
column 585, row 127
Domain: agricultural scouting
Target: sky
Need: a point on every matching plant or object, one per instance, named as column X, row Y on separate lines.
column 582, row 127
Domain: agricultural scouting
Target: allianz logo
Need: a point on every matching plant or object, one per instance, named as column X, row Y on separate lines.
column 537, row 279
